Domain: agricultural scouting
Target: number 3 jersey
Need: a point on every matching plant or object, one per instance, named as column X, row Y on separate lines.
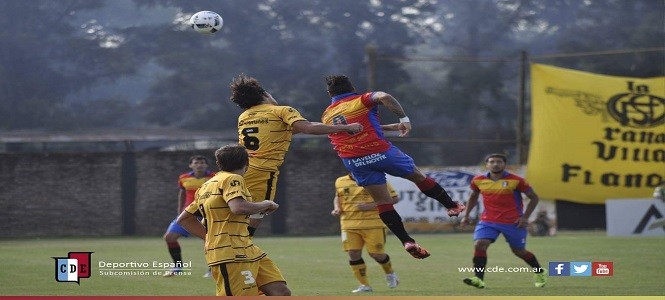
column 227, row 239
column 266, row 130
column 355, row 108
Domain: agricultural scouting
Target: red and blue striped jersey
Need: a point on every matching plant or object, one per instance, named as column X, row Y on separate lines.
column 189, row 183
column 355, row 108
column 502, row 198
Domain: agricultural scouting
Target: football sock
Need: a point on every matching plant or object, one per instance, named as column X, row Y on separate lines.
column 359, row 270
column 251, row 230
column 386, row 265
column 531, row 259
column 392, row 219
column 479, row 263
column 433, row 190
column 174, row 250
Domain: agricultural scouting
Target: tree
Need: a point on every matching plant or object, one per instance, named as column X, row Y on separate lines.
column 44, row 57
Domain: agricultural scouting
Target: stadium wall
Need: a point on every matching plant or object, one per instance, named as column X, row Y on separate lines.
column 135, row 193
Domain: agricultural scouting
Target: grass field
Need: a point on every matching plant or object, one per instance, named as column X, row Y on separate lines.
column 317, row 266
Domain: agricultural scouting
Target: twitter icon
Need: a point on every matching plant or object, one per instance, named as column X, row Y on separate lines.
column 580, row 268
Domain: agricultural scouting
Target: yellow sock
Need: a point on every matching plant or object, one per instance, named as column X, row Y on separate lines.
column 387, row 265
column 360, row 271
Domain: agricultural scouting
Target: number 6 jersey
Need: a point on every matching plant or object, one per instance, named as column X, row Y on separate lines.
column 266, row 130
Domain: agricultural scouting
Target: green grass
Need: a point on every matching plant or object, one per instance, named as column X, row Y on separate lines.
column 318, row 266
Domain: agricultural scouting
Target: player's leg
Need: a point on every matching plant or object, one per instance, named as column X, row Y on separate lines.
column 173, row 232
column 269, row 279
column 516, row 238
column 352, row 243
column 392, row 219
column 483, row 236
column 375, row 239
column 262, row 186
column 400, row 164
column 370, row 176
column 236, row 279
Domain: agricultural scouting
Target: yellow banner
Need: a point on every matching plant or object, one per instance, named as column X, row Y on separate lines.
column 595, row 137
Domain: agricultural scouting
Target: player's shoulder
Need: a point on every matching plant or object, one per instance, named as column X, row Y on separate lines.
column 480, row 177
column 512, row 176
column 342, row 178
column 285, row 109
column 185, row 175
column 230, row 177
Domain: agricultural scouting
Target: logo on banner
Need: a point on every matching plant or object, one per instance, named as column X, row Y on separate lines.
column 73, row 267
column 636, row 108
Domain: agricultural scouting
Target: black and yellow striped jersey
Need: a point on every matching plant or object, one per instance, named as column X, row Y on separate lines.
column 227, row 238
column 350, row 195
column 266, row 130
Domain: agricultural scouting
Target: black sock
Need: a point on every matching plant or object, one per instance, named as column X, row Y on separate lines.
column 433, row 190
column 394, row 222
column 174, row 250
column 479, row 263
column 251, row 230
column 533, row 262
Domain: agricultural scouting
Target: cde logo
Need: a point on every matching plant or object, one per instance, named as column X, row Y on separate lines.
column 73, row 267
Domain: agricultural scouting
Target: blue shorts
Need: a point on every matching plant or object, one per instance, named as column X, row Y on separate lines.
column 174, row 227
column 516, row 237
column 372, row 169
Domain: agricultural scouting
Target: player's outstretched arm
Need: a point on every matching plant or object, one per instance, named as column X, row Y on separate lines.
column 393, row 105
column 317, row 128
column 390, row 127
column 239, row 206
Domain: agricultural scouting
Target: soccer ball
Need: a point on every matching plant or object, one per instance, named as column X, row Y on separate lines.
column 206, row 22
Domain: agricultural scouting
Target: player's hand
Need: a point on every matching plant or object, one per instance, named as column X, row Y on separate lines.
column 336, row 212
column 404, row 128
column 354, row 128
column 522, row 222
column 273, row 207
column 464, row 221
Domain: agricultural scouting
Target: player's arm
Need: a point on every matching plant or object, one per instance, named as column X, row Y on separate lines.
column 390, row 127
column 316, row 128
column 181, row 199
column 393, row 105
column 470, row 204
column 534, row 199
column 240, row 206
column 337, row 208
column 190, row 222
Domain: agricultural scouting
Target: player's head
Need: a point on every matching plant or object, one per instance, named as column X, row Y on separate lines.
column 496, row 162
column 198, row 163
column 232, row 157
column 246, row 91
column 339, row 84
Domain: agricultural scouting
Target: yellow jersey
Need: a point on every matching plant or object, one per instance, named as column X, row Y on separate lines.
column 265, row 130
column 350, row 195
column 227, row 239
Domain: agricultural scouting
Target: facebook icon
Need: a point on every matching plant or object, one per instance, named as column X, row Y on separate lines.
column 559, row 268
